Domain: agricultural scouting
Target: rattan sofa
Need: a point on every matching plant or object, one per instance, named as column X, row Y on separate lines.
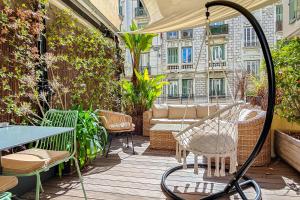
column 250, row 124
column 175, row 114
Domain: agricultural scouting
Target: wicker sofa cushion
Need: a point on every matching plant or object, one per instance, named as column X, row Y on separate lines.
column 30, row 160
column 160, row 110
column 7, row 182
column 182, row 111
column 172, row 121
column 202, row 110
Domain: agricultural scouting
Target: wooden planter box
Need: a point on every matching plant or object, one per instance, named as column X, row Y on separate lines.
column 288, row 148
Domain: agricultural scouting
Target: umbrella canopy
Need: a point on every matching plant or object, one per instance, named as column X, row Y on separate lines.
column 169, row 15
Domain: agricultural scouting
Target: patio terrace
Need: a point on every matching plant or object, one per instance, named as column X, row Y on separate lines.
column 137, row 177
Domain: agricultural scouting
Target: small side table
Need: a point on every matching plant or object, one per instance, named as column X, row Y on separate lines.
column 161, row 136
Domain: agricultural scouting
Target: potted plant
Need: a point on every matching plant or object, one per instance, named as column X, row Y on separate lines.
column 139, row 98
column 136, row 44
column 287, row 64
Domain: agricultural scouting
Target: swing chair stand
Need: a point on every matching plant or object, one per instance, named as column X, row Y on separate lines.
column 240, row 181
column 237, row 187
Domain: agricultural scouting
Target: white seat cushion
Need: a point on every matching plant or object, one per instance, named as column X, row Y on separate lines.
column 209, row 141
column 173, row 121
column 182, row 111
column 202, row 110
column 160, row 110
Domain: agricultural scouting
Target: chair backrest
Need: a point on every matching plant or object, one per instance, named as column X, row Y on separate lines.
column 65, row 141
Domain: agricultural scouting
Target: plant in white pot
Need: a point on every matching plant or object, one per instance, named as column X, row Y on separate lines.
column 287, row 67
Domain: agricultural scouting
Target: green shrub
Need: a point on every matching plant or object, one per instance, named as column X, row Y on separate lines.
column 286, row 57
column 91, row 136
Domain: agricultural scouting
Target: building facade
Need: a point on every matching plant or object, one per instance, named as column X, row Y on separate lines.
column 195, row 73
column 291, row 18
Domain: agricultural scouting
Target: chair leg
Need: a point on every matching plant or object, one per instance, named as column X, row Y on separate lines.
column 127, row 140
column 109, row 143
column 132, row 143
column 42, row 189
column 80, row 177
column 37, row 187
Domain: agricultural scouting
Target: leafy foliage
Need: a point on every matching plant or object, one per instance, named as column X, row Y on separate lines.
column 286, row 58
column 137, row 44
column 20, row 25
column 91, row 136
column 85, row 61
column 81, row 62
column 142, row 96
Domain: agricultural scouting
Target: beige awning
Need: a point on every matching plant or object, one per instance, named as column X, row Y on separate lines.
column 169, row 15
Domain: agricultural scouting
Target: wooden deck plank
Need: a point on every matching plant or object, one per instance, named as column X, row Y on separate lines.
column 137, row 177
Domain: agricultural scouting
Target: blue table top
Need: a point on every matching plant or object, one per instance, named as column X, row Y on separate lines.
column 13, row 136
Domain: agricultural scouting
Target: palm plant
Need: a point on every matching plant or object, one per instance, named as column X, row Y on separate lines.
column 141, row 97
column 137, row 44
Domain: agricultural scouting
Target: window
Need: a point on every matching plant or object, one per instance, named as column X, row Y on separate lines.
column 120, row 8
column 279, row 16
column 250, row 38
column 186, row 54
column 217, row 87
column 252, row 67
column 293, row 7
column 187, row 87
column 172, row 35
column 218, row 52
column 172, row 55
column 145, row 59
column 217, row 23
column 186, row 34
column 173, row 88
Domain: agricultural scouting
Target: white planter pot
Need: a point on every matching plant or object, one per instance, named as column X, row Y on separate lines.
column 288, row 148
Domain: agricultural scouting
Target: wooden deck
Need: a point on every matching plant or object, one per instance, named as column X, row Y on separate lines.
column 137, row 177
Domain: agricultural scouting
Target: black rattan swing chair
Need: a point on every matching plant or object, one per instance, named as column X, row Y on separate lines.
column 240, row 181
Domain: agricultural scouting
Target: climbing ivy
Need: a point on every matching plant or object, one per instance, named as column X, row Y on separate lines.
column 81, row 62
column 88, row 58
column 20, row 25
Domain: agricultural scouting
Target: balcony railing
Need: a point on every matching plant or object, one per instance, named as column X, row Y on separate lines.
column 218, row 65
column 219, row 29
column 278, row 25
column 140, row 12
column 173, row 67
column 187, row 66
column 251, row 44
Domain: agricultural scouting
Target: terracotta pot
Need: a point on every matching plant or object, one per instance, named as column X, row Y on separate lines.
column 138, row 121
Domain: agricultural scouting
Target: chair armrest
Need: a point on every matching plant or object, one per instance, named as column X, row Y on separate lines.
column 258, row 120
column 104, row 122
column 147, row 115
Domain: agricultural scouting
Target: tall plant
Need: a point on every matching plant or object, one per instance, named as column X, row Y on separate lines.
column 141, row 97
column 137, row 44
column 286, row 58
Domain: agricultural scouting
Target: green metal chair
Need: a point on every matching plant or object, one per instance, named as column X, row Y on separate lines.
column 48, row 152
